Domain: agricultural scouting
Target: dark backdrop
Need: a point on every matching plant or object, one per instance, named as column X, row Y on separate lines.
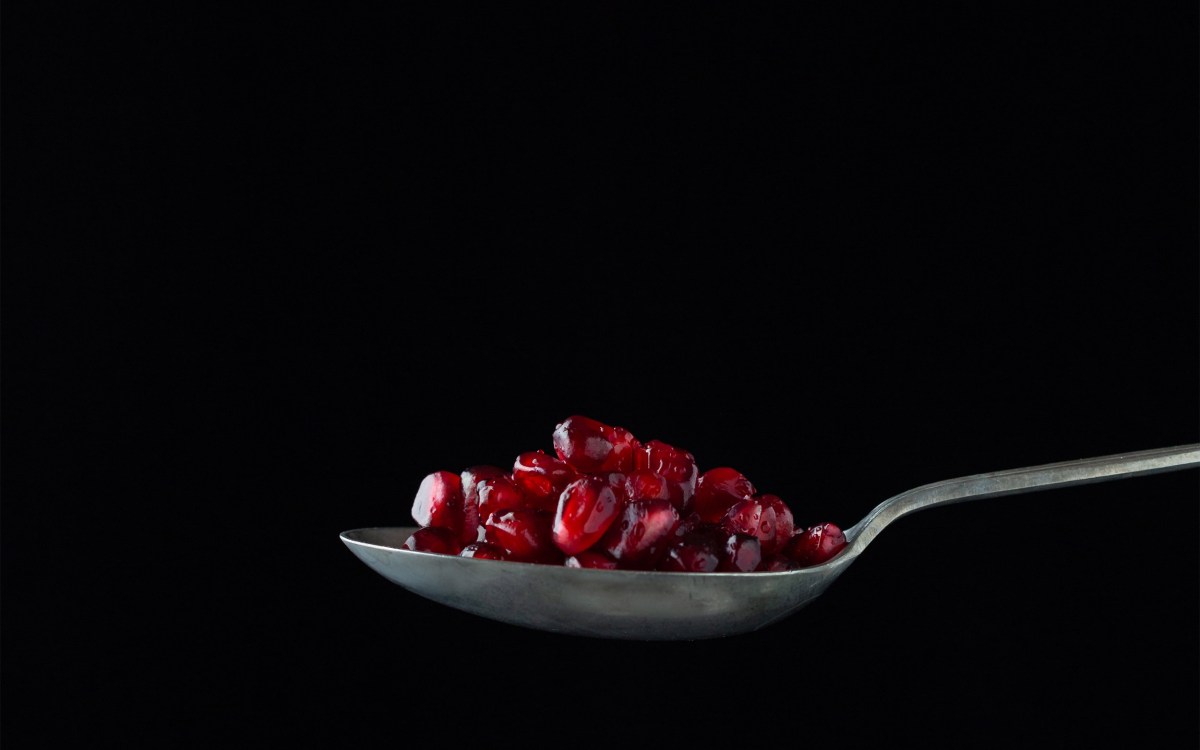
column 264, row 271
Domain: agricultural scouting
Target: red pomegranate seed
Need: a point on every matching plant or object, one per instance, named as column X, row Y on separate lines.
column 690, row 558
column 483, row 551
column 543, row 478
column 524, row 535
column 472, row 518
column 644, row 484
column 742, row 554
column 473, row 476
column 759, row 516
column 785, row 525
column 625, row 447
column 433, row 539
column 439, row 501
column 616, row 480
column 676, row 466
column 816, row 545
column 499, row 494
column 694, row 531
column 586, row 509
column 717, row 490
column 641, row 535
column 591, row 559
column 593, row 447
column 583, row 443
column 778, row 563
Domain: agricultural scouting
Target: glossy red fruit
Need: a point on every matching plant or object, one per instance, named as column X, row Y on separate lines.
column 644, row 484
column 690, row 558
column 483, row 551
column 816, row 545
column 586, row 508
column 676, row 466
column 593, row 447
column 640, row 536
column 717, row 490
column 433, row 539
column 760, row 516
column 693, row 530
column 524, row 535
column 499, row 494
column 591, row 559
column 778, row 563
column 785, row 524
column 625, row 447
column 616, row 480
column 439, row 501
column 542, row 478
column 742, row 554
column 472, row 517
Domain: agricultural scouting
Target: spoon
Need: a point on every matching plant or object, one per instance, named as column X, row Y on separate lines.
column 653, row 606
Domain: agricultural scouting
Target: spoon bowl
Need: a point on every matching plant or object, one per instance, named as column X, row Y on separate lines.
column 654, row 605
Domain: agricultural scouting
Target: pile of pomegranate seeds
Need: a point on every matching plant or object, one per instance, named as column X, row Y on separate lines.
column 606, row 500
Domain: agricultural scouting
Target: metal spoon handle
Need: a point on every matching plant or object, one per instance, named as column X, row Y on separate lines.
column 1014, row 481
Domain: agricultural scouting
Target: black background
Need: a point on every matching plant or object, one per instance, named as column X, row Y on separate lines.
column 264, row 271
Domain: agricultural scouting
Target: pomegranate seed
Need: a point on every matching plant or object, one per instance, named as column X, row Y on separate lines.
column 676, row 466
column 586, row 509
column 625, row 447
column 785, row 525
column 742, row 554
column 472, row 518
column 694, row 531
column 543, row 478
column 524, row 535
column 483, row 551
column 473, row 476
column 641, row 536
column 778, row 563
column 644, row 484
column 591, row 559
column 439, row 501
column 593, row 447
column 816, row 545
column 717, row 490
column 499, row 494
column 759, row 516
column 690, row 558
column 433, row 539
column 617, row 481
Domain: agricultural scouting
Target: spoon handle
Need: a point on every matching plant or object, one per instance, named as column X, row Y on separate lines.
column 1014, row 481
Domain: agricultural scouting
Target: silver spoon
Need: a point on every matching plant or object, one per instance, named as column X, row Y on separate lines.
column 651, row 606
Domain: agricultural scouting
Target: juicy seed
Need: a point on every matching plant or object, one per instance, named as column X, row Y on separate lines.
column 644, row 484
column 472, row 518
column 584, row 443
column 433, row 539
column 499, row 494
column 742, row 554
column 524, row 535
column 439, row 501
column 816, row 545
column 483, row 551
column 640, row 536
column 586, row 509
column 717, row 490
column 676, row 466
column 690, row 558
column 542, row 478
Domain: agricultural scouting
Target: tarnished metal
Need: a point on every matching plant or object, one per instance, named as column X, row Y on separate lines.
column 649, row 605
